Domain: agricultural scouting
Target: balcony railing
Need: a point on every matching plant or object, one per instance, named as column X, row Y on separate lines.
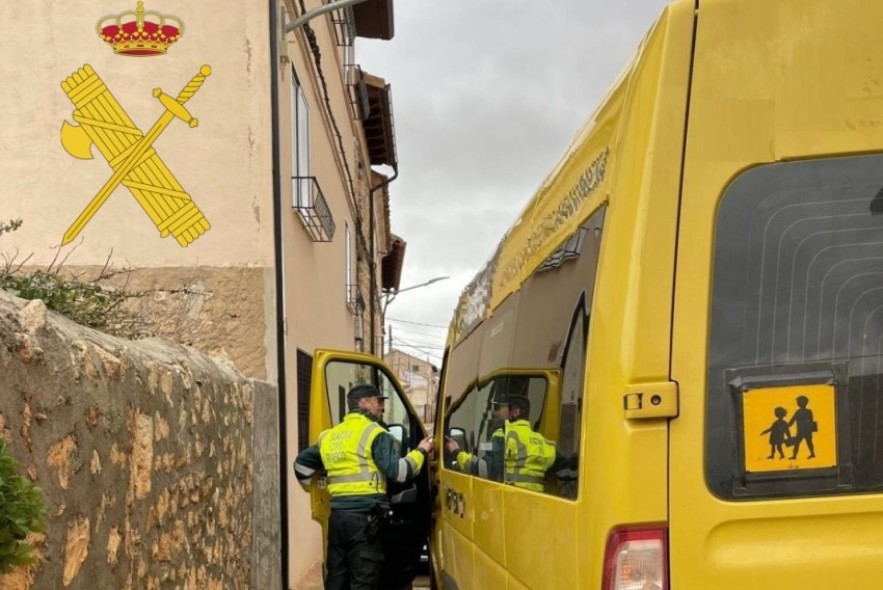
column 358, row 92
column 310, row 204
column 344, row 25
column 354, row 300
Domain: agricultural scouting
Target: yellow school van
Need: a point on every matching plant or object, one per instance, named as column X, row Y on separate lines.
column 669, row 375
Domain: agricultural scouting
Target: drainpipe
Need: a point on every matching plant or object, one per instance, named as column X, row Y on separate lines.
column 280, row 295
column 372, row 224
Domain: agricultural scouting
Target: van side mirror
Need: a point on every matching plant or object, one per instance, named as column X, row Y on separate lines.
column 459, row 435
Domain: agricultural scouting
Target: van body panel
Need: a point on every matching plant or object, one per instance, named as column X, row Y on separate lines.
column 459, row 509
column 540, row 532
column 624, row 477
column 455, row 527
column 490, row 522
column 556, row 538
column 845, row 547
column 782, row 92
column 488, row 572
column 459, row 565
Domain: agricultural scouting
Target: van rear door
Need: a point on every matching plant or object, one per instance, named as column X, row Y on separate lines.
column 775, row 476
column 334, row 374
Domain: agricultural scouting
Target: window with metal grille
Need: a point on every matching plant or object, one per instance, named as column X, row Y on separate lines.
column 300, row 152
column 304, row 382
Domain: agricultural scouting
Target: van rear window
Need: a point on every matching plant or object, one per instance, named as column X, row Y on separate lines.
column 795, row 397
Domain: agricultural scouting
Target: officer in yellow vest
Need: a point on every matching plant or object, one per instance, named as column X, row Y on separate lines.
column 490, row 465
column 529, row 455
column 359, row 456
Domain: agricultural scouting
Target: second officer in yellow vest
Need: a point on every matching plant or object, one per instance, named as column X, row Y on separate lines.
column 529, row 455
column 359, row 456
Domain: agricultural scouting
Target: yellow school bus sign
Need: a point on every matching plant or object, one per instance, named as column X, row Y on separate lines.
column 791, row 427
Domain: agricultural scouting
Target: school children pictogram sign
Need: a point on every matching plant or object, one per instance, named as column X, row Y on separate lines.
column 790, row 427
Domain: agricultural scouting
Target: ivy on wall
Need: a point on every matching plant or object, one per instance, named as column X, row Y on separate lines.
column 86, row 302
column 22, row 511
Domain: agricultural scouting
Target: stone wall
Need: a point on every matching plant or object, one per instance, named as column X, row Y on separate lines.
column 220, row 311
column 158, row 463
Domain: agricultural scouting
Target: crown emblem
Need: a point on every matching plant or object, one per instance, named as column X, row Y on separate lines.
column 140, row 33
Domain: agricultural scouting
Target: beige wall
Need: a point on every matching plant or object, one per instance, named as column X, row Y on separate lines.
column 218, row 293
column 224, row 163
column 224, row 312
column 314, row 272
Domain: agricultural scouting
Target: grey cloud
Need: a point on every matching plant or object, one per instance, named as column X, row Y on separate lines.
column 487, row 95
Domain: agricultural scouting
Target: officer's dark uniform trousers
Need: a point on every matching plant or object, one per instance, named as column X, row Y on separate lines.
column 359, row 455
column 354, row 560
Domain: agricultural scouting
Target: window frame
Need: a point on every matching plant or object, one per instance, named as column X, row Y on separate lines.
column 300, row 145
column 804, row 206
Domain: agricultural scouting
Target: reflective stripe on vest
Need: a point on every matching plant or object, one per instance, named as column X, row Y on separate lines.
column 478, row 465
column 407, row 466
column 347, row 456
column 528, row 456
column 469, row 463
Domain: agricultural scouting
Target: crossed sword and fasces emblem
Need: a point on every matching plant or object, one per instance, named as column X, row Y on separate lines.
column 102, row 122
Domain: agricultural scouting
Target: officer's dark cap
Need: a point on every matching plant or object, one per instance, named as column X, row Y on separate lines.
column 500, row 400
column 519, row 401
column 361, row 391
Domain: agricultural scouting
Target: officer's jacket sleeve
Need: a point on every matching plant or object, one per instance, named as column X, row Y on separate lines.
column 565, row 466
column 469, row 463
column 307, row 463
column 495, row 456
column 388, row 461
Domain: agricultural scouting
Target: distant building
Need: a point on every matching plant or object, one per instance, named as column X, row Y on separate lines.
column 420, row 380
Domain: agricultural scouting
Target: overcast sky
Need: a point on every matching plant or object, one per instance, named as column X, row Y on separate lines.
column 486, row 94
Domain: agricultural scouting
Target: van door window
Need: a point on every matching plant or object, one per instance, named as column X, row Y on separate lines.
column 479, row 423
column 461, row 428
column 341, row 376
column 533, row 347
column 544, row 327
column 573, row 374
column 795, row 370
column 476, row 424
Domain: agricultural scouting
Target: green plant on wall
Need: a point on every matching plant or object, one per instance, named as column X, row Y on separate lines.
column 9, row 226
column 22, row 511
column 86, row 302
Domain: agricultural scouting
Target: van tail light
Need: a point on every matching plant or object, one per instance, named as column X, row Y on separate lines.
column 636, row 559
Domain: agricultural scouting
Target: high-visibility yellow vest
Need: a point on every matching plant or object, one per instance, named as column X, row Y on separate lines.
column 528, row 456
column 470, row 463
column 347, row 457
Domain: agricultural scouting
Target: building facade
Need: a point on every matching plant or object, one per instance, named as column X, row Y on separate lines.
column 227, row 169
column 420, row 380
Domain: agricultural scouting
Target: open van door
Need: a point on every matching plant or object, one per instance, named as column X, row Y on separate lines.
column 335, row 372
